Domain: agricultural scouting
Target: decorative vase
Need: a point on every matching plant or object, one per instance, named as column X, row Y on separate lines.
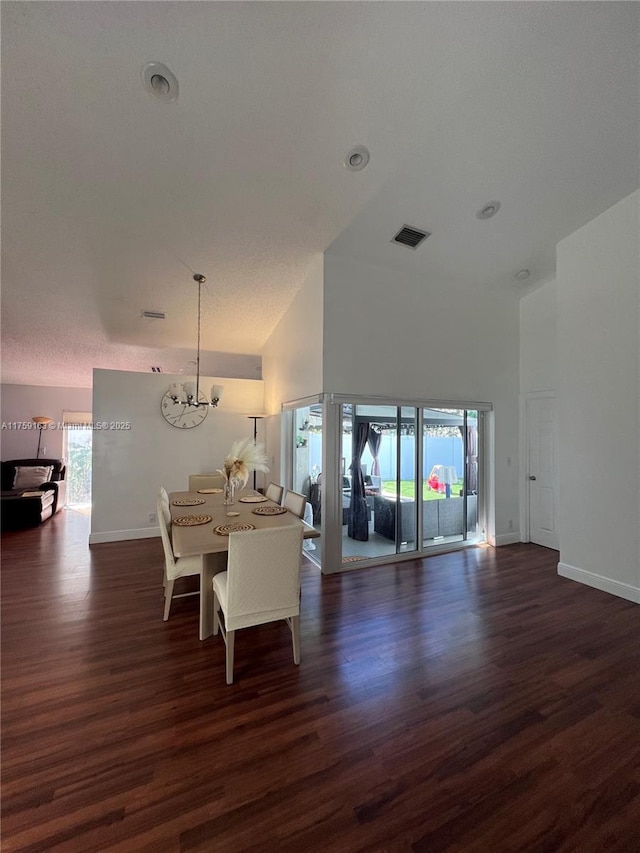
column 229, row 493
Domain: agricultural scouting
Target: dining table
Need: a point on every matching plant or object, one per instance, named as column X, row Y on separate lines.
column 201, row 539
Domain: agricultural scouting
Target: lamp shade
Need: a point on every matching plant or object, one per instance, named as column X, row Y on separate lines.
column 41, row 420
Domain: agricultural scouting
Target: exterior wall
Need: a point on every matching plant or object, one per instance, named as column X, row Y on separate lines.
column 22, row 402
column 129, row 466
column 598, row 273
column 391, row 334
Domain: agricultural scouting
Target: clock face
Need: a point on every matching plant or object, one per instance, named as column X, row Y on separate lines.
column 182, row 416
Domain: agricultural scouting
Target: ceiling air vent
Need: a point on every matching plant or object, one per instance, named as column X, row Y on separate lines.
column 153, row 315
column 411, row 237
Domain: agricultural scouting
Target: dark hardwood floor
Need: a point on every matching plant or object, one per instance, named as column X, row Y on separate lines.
column 468, row 702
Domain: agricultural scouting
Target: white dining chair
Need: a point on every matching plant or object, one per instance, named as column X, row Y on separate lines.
column 295, row 503
column 163, row 497
column 205, row 481
column 274, row 492
column 261, row 584
column 174, row 567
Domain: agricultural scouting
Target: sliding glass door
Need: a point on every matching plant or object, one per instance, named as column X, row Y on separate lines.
column 387, row 507
column 386, row 480
column 307, row 467
column 379, row 509
column 450, row 476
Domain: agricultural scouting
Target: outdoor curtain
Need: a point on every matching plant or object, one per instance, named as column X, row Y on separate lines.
column 471, row 466
column 358, row 512
column 375, row 437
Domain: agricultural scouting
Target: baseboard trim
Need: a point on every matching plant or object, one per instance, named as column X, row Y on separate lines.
column 123, row 535
column 622, row 590
column 505, row 539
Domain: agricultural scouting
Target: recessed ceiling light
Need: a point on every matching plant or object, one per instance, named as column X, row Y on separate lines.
column 357, row 158
column 488, row 210
column 160, row 81
column 523, row 275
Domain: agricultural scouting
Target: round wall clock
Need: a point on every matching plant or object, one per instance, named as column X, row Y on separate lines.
column 182, row 416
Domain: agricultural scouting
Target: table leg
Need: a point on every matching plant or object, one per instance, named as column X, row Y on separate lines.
column 211, row 565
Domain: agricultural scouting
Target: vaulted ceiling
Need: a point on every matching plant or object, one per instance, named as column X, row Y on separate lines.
column 111, row 198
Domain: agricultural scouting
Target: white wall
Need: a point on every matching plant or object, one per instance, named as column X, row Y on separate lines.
column 598, row 274
column 539, row 339
column 129, row 466
column 392, row 334
column 292, row 356
column 292, row 362
column 22, row 402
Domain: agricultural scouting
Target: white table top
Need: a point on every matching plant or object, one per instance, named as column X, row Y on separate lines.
column 201, row 539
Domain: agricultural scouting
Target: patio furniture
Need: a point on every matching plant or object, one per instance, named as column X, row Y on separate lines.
column 384, row 517
column 439, row 517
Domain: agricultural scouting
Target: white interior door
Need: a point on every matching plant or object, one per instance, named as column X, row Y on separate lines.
column 543, row 472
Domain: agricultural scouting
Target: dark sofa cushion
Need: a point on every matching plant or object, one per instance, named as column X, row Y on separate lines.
column 9, row 470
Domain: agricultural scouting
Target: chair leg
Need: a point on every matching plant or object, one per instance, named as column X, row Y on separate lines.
column 216, row 614
column 295, row 633
column 168, row 592
column 230, row 641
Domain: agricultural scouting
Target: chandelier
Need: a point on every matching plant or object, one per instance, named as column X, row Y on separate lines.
column 189, row 393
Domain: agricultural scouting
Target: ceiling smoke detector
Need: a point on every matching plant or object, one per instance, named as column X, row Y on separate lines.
column 411, row 237
column 523, row 275
column 160, row 81
column 357, row 158
column 488, row 210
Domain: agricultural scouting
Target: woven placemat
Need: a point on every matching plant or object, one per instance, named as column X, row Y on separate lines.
column 188, row 502
column 252, row 499
column 209, row 491
column 269, row 510
column 226, row 529
column 192, row 520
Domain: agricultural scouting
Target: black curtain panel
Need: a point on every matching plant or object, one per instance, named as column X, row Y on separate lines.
column 472, row 455
column 358, row 512
column 471, row 466
column 375, row 437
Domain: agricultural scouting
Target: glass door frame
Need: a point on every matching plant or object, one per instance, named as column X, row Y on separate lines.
column 333, row 423
column 331, row 521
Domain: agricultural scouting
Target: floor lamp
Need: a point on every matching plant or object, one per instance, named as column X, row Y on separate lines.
column 41, row 421
column 255, row 419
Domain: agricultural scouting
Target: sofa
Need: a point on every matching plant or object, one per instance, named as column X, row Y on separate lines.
column 439, row 518
column 48, row 493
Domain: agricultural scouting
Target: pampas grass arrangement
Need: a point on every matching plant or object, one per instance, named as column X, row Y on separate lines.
column 244, row 457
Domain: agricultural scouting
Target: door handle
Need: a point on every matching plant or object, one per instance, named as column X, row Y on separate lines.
column 531, row 477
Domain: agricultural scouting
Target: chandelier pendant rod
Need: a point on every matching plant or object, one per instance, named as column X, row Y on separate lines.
column 185, row 394
column 199, row 279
